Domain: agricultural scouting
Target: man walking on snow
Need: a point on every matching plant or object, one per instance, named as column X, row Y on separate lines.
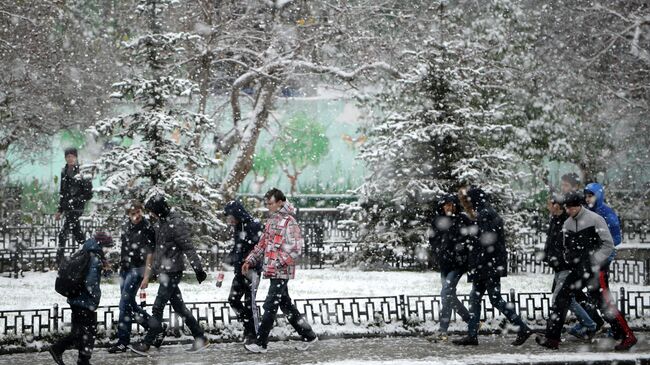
column 279, row 248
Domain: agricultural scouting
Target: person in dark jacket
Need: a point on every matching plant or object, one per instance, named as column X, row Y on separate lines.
column 554, row 256
column 172, row 242
column 487, row 262
column 136, row 259
column 450, row 239
column 246, row 234
column 84, row 306
column 75, row 191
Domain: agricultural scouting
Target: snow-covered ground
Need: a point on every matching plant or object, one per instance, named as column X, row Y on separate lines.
column 36, row 289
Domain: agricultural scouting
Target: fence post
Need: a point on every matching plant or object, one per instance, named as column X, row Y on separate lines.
column 646, row 271
column 402, row 307
column 513, row 297
column 621, row 302
column 56, row 318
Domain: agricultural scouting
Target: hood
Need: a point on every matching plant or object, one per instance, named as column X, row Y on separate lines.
column 598, row 191
column 448, row 198
column 237, row 210
column 478, row 198
column 91, row 245
column 287, row 209
column 158, row 205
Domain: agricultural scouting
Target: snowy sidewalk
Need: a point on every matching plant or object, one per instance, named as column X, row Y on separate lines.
column 384, row 351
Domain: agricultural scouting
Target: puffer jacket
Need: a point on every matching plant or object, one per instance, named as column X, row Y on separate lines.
column 280, row 245
column 605, row 211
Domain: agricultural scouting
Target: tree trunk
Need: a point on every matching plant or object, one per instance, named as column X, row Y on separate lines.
column 244, row 157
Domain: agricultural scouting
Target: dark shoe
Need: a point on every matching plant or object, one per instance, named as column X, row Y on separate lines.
column 547, row 342
column 58, row 358
column 140, row 347
column 118, row 347
column 199, row 344
column 160, row 337
column 466, row 341
column 522, row 337
column 626, row 344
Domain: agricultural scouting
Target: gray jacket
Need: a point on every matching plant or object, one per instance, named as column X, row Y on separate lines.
column 172, row 241
column 587, row 235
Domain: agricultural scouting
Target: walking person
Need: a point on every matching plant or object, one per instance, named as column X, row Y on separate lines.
column 554, row 257
column 84, row 305
column 172, row 242
column 136, row 259
column 487, row 264
column 278, row 249
column 246, row 234
column 588, row 246
column 74, row 192
column 450, row 239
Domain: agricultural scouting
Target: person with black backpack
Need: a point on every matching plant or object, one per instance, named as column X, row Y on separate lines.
column 78, row 279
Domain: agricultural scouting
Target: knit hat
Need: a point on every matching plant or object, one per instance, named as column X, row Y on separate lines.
column 573, row 199
column 70, row 151
column 104, row 239
column 158, row 205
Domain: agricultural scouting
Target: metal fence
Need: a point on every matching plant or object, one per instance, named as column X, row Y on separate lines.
column 376, row 310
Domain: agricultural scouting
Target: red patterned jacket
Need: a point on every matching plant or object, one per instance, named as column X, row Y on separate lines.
column 280, row 245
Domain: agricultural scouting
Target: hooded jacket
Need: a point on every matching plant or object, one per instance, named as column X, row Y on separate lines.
column 487, row 257
column 605, row 211
column 246, row 234
column 75, row 191
column 172, row 242
column 587, row 241
column 92, row 293
column 280, row 245
column 450, row 237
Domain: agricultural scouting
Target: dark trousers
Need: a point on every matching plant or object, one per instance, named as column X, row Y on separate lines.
column 493, row 288
column 278, row 297
column 70, row 224
column 81, row 336
column 168, row 291
column 247, row 312
column 450, row 300
column 129, row 308
column 598, row 293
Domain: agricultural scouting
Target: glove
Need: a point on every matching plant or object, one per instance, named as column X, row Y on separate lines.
column 200, row 276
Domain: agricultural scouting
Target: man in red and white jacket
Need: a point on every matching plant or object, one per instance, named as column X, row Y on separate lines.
column 278, row 249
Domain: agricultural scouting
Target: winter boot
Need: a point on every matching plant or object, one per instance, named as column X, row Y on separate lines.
column 548, row 342
column 58, row 357
column 466, row 341
column 627, row 343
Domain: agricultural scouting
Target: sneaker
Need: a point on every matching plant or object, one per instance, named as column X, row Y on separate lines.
column 547, row 342
column 199, row 344
column 158, row 341
column 58, row 358
column 306, row 344
column 522, row 337
column 255, row 348
column 626, row 344
column 140, row 347
column 118, row 347
column 466, row 341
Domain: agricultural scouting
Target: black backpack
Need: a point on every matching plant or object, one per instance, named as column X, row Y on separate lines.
column 71, row 278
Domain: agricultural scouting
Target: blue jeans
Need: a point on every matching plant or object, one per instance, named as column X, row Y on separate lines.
column 449, row 299
column 493, row 288
column 129, row 309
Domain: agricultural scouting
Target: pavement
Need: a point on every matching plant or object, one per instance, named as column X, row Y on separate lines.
column 493, row 349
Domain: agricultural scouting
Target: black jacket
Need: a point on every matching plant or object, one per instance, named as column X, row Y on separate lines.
column 245, row 235
column 138, row 240
column 450, row 237
column 554, row 248
column 75, row 191
column 173, row 239
column 487, row 256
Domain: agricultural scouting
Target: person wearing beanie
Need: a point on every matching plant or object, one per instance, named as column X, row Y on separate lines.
column 487, row 263
column 588, row 245
column 136, row 259
column 84, row 306
column 75, row 191
column 173, row 241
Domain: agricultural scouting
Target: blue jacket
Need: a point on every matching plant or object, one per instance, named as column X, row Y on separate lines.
column 89, row 298
column 605, row 211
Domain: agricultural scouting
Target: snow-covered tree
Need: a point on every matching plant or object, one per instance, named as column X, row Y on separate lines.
column 166, row 155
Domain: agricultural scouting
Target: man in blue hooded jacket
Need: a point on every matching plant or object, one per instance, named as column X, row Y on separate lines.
column 246, row 234
column 84, row 306
column 595, row 197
